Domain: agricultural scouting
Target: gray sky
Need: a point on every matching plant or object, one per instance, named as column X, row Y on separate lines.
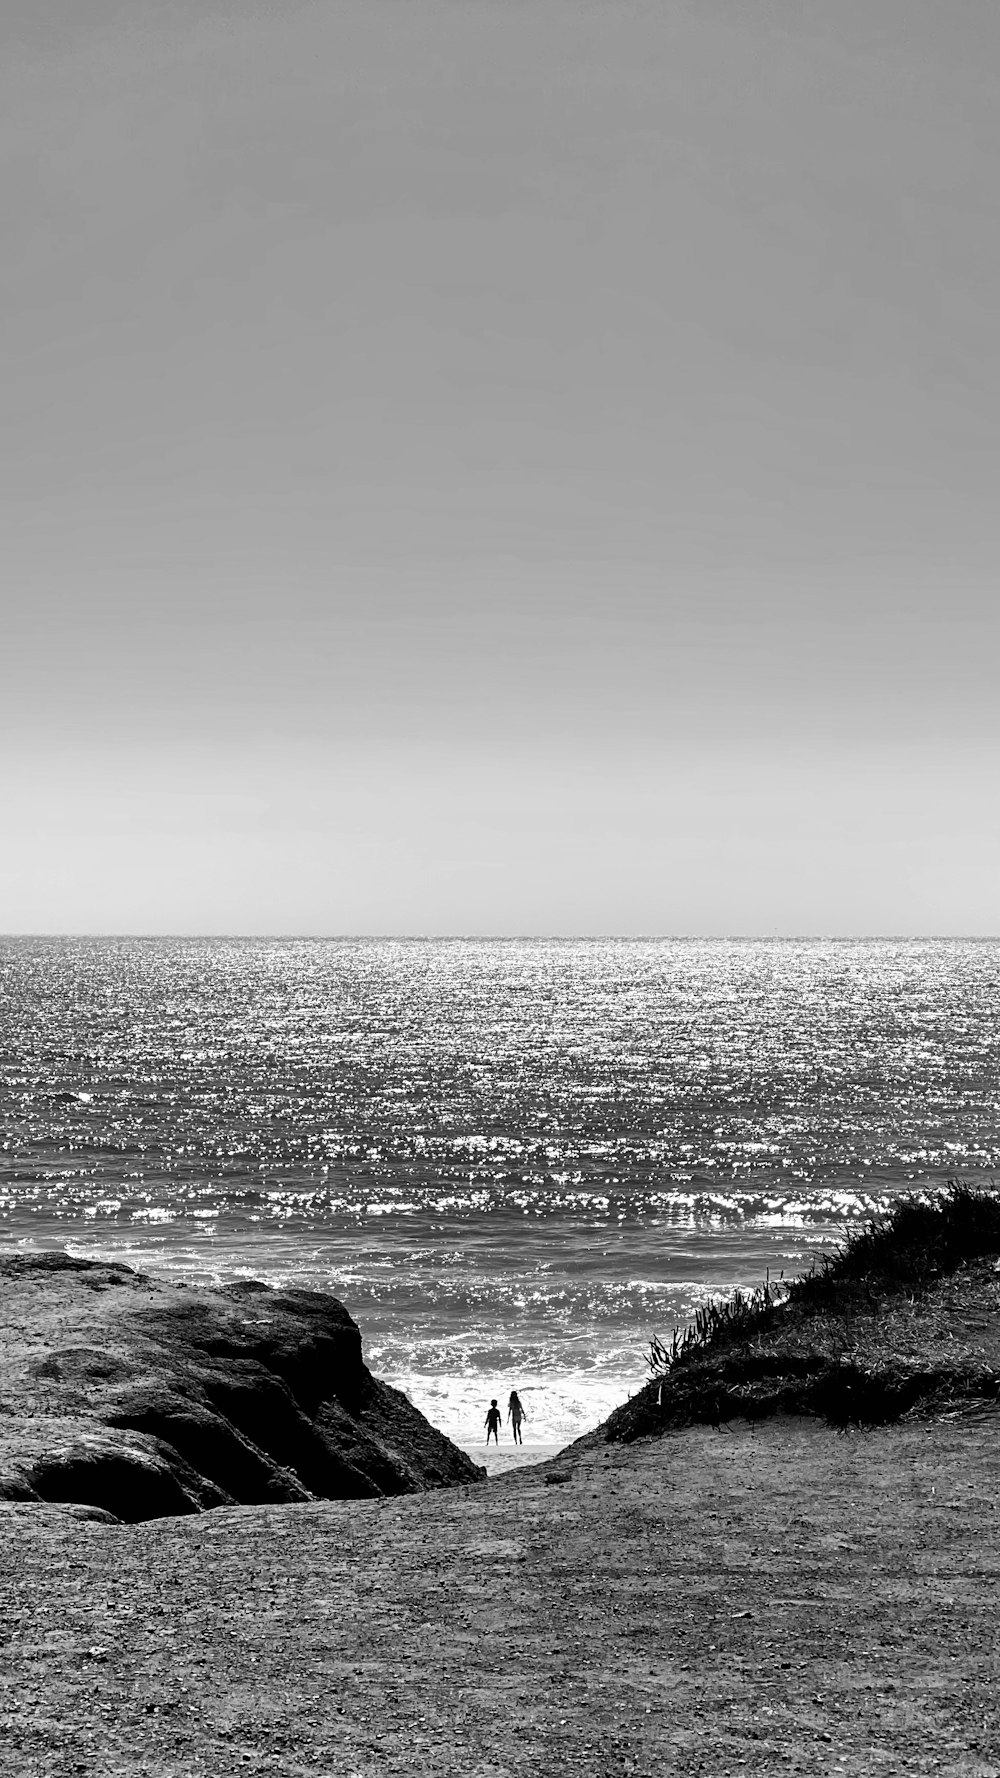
column 479, row 466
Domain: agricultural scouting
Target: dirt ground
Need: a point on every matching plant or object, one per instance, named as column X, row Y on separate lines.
column 787, row 1599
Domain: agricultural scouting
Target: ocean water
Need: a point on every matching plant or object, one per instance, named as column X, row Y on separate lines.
column 515, row 1162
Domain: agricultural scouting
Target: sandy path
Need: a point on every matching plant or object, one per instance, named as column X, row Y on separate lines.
column 788, row 1600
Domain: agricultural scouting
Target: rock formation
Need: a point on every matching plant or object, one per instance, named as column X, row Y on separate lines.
column 145, row 1398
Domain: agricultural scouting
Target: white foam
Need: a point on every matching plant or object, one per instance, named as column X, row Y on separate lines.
column 559, row 1406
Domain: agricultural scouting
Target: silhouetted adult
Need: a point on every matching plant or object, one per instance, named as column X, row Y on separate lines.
column 515, row 1414
column 492, row 1422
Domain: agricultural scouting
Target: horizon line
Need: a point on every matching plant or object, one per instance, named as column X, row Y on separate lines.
column 520, row 937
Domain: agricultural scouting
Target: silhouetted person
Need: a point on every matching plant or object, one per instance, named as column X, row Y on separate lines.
column 492, row 1422
column 515, row 1414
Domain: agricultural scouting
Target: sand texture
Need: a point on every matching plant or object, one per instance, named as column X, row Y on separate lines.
column 785, row 1598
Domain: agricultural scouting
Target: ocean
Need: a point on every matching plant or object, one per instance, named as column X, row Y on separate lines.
column 514, row 1161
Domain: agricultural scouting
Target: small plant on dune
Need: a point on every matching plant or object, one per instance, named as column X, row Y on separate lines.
column 718, row 1322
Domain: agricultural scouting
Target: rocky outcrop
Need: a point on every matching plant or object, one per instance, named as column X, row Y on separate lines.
column 144, row 1398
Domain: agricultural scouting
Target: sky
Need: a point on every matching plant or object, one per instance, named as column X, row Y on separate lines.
column 500, row 466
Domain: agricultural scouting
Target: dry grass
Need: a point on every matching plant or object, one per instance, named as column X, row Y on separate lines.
column 904, row 1318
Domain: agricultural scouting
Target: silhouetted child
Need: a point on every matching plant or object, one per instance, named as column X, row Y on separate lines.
column 492, row 1422
column 515, row 1414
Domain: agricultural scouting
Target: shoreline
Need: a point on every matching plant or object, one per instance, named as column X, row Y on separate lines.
column 512, row 1459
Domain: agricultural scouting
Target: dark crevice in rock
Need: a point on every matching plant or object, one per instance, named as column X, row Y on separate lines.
column 122, row 1485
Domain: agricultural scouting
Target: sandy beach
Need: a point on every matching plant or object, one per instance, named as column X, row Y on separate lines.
column 508, row 1458
column 779, row 1598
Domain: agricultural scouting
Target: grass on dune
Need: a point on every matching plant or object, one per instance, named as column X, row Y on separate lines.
column 905, row 1315
column 916, row 1242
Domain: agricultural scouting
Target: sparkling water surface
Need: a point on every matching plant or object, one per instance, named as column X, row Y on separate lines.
column 515, row 1161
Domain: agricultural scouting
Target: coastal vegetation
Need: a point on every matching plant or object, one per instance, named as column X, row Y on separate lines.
column 903, row 1319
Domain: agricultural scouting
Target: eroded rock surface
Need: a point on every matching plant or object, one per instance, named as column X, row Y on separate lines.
column 145, row 1398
